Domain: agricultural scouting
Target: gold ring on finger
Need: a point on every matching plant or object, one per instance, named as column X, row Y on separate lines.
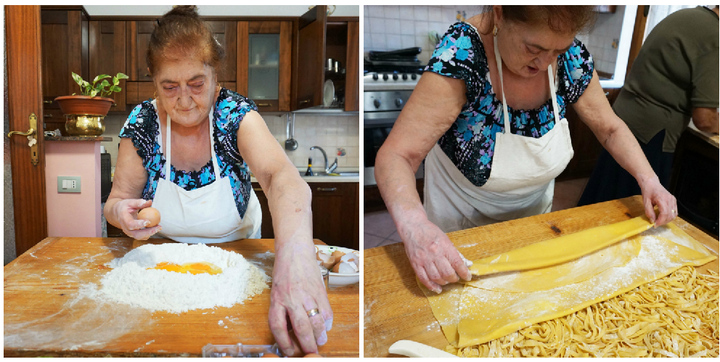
column 313, row 312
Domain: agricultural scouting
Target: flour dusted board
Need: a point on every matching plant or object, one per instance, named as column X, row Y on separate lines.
column 46, row 315
column 395, row 308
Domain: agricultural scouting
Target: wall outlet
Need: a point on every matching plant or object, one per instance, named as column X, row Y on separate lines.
column 68, row 184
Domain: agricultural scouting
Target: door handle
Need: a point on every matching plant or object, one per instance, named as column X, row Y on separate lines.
column 264, row 104
column 30, row 134
column 327, row 189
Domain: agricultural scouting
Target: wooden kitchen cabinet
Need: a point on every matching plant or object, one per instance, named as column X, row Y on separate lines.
column 64, row 33
column 335, row 209
column 586, row 146
column 318, row 38
column 139, row 84
column 107, row 42
column 264, row 63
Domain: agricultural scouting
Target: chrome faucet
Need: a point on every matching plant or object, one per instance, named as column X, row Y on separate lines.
column 328, row 169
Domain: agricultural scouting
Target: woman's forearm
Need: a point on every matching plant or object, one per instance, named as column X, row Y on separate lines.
column 110, row 212
column 289, row 200
column 395, row 176
column 625, row 149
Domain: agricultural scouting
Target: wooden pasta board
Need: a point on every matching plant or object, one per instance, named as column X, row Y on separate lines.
column 46, row 316
column 396, row 308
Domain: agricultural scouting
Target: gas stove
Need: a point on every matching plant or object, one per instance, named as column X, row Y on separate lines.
column 392, row 70
column 389, row 81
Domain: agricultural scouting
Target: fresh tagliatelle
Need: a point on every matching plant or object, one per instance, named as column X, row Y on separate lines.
column 675, row 316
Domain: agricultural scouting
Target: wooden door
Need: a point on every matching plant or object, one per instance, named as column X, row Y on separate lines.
column 284, row 31
column 107, row 55
column 308, row 68
column 24, row 97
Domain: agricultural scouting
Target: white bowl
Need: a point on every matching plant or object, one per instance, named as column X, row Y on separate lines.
column 337, row 279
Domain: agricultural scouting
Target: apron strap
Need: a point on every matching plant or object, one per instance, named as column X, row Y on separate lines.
column 168, row 156
column 553, row 94
column 498, row 61
column 551, row 81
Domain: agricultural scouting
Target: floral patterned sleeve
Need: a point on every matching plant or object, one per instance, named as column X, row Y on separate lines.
column 576, row 71
column 230, row 109
column 141, row 128
column 456, row 56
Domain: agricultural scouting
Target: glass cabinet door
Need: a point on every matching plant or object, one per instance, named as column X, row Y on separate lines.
column 264, row 66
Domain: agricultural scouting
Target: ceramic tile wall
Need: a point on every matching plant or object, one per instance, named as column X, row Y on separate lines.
column 331, row 133
column 328, row 132
column 599, row 40
column 396, row 27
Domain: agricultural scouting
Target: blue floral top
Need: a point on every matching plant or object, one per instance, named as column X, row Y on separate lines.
column 230, row 108
column 470, row 141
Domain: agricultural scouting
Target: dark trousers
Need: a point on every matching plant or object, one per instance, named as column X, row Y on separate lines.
column 609, row 181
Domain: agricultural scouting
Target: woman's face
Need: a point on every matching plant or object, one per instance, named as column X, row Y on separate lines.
column 186, row 90
column 528, row 49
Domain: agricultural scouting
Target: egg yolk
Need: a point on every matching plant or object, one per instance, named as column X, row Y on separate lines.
column 193, row 268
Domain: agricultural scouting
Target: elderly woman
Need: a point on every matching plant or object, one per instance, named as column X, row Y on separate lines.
column 488, row 118
column 189, row 152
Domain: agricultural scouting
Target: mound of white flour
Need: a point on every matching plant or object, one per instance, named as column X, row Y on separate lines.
column 131, row 282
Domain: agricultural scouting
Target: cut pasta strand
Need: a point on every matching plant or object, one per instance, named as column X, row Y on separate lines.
column 675, row 316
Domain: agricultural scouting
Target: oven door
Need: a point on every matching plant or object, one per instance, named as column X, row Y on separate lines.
column 377, row 127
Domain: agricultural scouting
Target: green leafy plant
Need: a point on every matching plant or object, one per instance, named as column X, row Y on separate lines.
column 100, row 85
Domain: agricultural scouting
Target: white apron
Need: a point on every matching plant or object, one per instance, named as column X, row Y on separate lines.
column 207, row 214
column 521, row 181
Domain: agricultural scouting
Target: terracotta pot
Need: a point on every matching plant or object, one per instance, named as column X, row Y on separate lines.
column 98, row 106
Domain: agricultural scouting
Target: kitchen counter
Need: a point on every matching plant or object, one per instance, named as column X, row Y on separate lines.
column 396, row 308
column 47, row 312
column 325, row 179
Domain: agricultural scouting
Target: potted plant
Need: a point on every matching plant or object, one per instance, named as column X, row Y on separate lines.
column 84, row 114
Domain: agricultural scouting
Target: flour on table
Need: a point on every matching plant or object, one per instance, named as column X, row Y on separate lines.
column 131, row 282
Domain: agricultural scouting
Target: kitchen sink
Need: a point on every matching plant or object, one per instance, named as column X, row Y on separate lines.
column 337, row 174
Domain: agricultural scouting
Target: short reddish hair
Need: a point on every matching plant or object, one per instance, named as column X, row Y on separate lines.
column 559, row 18
column 181, row 32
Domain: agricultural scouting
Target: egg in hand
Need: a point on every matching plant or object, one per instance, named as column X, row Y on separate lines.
column 150, row 214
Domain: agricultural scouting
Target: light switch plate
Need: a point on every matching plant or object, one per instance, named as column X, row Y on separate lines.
column 68, row 184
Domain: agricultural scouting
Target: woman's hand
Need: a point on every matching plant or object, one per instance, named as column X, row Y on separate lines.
column 126, row 213
column 433, row 256
column 654, row 194
column 298, row 289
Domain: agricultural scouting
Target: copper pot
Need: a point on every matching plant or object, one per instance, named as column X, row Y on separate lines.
column 98, row 106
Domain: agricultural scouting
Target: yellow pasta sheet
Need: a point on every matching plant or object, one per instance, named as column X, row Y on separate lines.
column 492, row 306
column 560, row 250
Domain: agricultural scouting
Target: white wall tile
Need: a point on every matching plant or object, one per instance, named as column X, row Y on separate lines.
column 393, row 42
column 420, row 13
column 434, row 13
column 422, row 27
column 392, row 12
column 376, row 11
column 379, row 42
column 392, row 26
column 407, row 41
column 407, row 27
column 377, row 26
column 448, row 14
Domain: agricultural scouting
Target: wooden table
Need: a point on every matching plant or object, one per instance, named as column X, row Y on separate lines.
column 48, row 313
column 395, row 307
